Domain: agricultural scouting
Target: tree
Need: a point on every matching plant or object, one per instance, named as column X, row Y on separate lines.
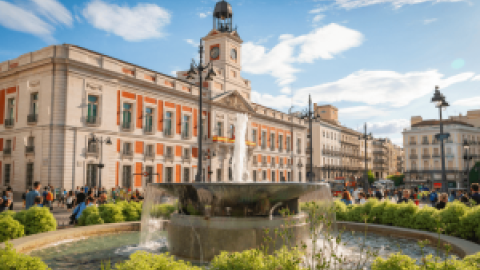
column 371, row 178
column 474, row 174
column 397, row 179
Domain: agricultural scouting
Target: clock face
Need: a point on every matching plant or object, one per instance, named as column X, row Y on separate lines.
column 233, row 54
column 214, row 52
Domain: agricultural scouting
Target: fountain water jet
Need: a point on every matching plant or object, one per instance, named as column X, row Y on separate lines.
column 240, row 172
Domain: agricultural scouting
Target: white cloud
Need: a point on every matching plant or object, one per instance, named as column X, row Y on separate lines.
column 318, row 10
column 429, row 21
column 324, row 42
column 350, row 4
column 468, row 102
column 191, row 42
column 318, row 18
column 361, row 112
column 388, row 127
column 19, row 19
column 280, row 102
column 54, row 11
column 204, row 14
column 286, row 90
column 476, row 78
column 143, row 21
column 380, row 87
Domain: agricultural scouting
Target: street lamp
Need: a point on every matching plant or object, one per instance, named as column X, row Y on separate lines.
column 467, row 158
column 310, row 115
column 439, row 100
column 198, row 69
column 100, row 165
column 365, row 137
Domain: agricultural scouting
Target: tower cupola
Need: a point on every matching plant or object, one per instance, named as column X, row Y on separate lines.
column 223, row 17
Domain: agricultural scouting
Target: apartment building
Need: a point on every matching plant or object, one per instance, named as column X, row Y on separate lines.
column 55, row 100
column 423, row 153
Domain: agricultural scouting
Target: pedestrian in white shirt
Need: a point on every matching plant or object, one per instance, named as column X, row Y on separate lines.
column 362, row 198
column 355, row 195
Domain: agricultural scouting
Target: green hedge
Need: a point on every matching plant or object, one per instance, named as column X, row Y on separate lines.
column 10, row 260
column 403, row 262
column 90, row 216
column 111, row 213
column 455, row 219
column 10, row 229
column 37, row 220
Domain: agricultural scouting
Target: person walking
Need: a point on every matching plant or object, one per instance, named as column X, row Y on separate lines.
column 443, row 201
column 405, row 197
column 10, row 197
column 70, row 200
column 49, row 200
column 30, row 198
column 346, row 198
column 433, row 197
column 378, row 194
column 356, row 192
column 77, row 191
column 24, row 197
column 475, row 193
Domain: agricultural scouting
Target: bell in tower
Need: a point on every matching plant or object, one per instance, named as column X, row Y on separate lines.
column 223, row 17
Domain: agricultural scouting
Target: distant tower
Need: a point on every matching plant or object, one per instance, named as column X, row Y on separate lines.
column 223, row 17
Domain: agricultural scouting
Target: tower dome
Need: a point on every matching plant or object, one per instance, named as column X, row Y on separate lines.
column 223, row 17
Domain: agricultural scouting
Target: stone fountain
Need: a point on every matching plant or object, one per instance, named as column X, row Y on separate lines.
column 200, row 220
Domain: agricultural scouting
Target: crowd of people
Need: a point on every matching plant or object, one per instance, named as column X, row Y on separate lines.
column 74, row 200
column 434, row 198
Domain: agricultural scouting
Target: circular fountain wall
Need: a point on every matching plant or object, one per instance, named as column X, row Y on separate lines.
column 203, row 219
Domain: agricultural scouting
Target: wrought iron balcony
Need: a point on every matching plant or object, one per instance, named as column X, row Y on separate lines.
column 7, row 151
column 92, row 120
column 436, row 155
column 413, row 156
column 32, row 118
column 127, row 126
column 148, row 129
column 127, row 153
column 186, row 157
column 185, row 135
column 29, row 150
column 169, row 156
column 149, row 155
column 9, row 122
column 425, row 142
column 92, row 150
column 412, row 143
column 426, row 156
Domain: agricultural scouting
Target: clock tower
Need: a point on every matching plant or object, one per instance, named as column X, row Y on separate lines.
column 223, row 49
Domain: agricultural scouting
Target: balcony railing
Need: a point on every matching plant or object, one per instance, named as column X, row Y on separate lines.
column 413, row 156
column 127, row 126
column 412, row 143
column 148, row 129
column 9, row 122
column 127, row 153
column 185, row 135
column 149, row 155
column 169, row 156
column 436, row 155
column 7, row 151
column 425, row 142
column 92, row 120
column 186, row 157
column 264, row 146
column 29, row 150
column 426, row 156
column 32, row 118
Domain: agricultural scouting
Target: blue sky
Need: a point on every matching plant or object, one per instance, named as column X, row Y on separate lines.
column 378, row 61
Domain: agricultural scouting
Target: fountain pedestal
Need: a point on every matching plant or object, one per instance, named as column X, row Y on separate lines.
column 199, row 238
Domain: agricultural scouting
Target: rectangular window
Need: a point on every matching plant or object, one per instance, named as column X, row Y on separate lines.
column 186, row 127
column 230, row 173
column 149, row 171
column 282, row 179
column 11, row 108
column 186, row 175
column 264, row 176
column 91, row 175
column 280, row 142
column 254, row 135
column 149, row 151
column 168, row 123
column 33, row 106
column 169, row 151
column 273, row 177
column 254, row 176
column 169, row 175
column 6, row 175
column 264, row 140
column 272, row 141
column 288, row 176
column 127, row 176
column 232, row 131
column 288, row 144
column 92, row 109
column 29, row 175
column 299, row 176
column 127, row 149
column 219, row 175
column 148, row 120
column 299, row 146
column 127, row 115
column 186, row 152
column 219, row 129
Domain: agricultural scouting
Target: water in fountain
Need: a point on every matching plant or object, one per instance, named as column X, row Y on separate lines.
column 239, row 162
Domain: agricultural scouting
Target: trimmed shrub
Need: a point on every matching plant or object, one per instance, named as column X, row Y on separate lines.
column 450, row 216
column 389, row 213
column 396, row 261
column 377, row 212
column 10, row 228
column 111, row 213
column 473, row 260
column 163, row 210
column 257, row 260
column 340, row 210
column 131, row 212
column 142, row 260
column 7, row 213
column 10, row 259
column 469, row 224
column 21, row 216
column 404, row 215
column 357, row 213
column 39, row 219
column 90, row 216
column 426, row 219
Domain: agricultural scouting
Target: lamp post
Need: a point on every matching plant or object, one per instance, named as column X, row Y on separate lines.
column 467, row 158
column 100, row 165
column 439, row 100
column 198, row 69
column 365, row 137
column 310, row 115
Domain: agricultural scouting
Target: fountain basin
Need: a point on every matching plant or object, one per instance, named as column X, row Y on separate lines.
column 215, row 217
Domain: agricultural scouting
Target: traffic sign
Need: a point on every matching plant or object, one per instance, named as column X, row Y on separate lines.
column 443, row 136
